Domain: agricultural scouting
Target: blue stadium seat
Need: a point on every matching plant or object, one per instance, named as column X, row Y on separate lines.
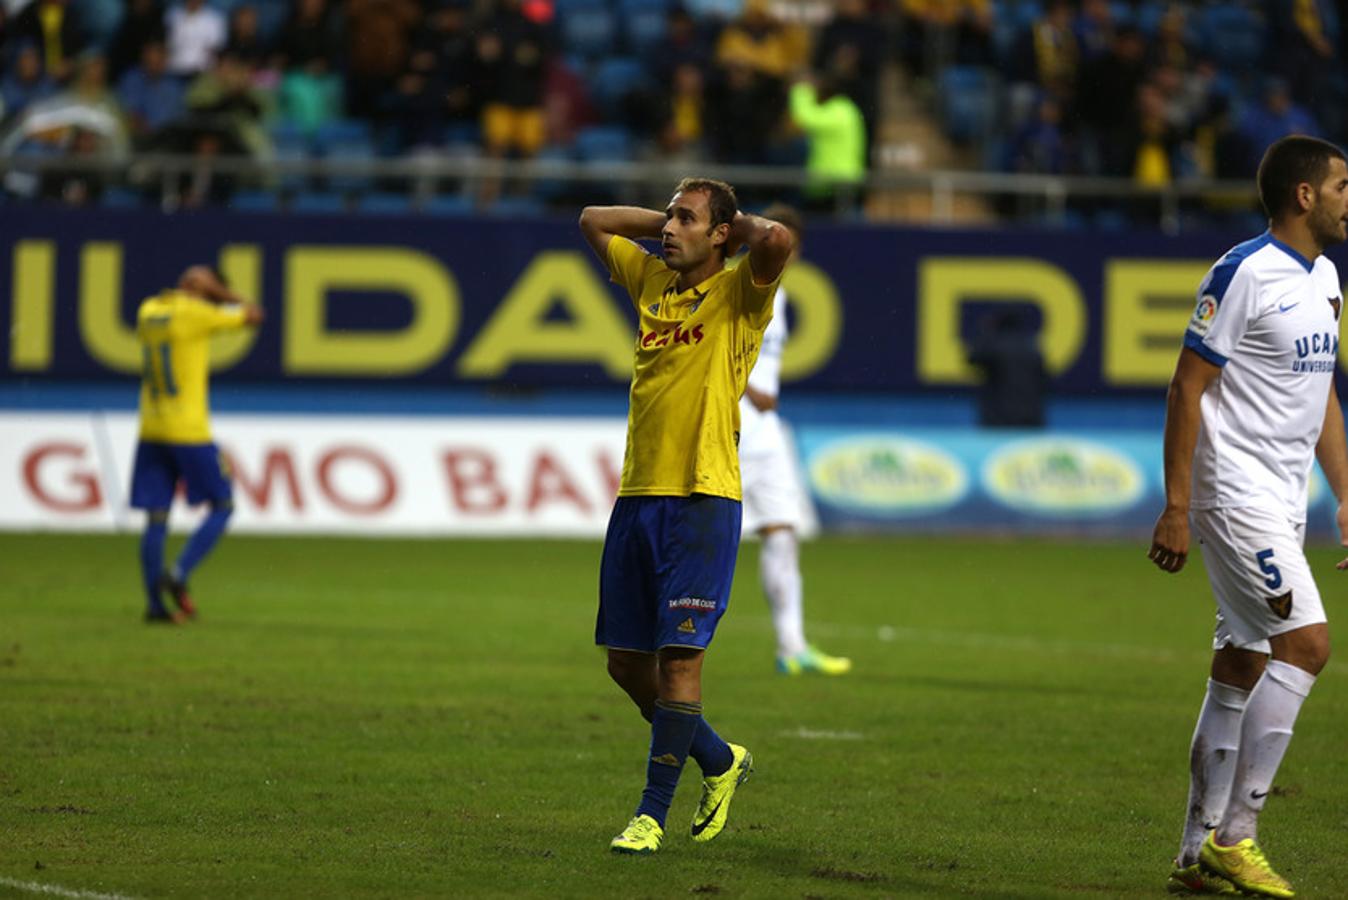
column 286, row 152
column 968, row 102
column 121, row 198
column 645, row 23
column 612, row 80
column 516, row 208
column 603, row 142
column 343, row 131
column 385, row 203
column 254, row 201
column 313, row 202
column 1023, row 13
column 721, row 9
column 348, row 149
column 590, row 29
column 1123, row 12
column 551, row 188
column 290, row 136
column 463, row 133
column 99, row 19
column 271, row 18
column 1233, row 35
column 450, row 205
column 1109, row 219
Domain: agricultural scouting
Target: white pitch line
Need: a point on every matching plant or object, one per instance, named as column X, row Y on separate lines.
column 888, row 634
column 55, row 890
column 811, row 734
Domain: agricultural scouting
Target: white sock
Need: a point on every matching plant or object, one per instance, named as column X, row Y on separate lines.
column 779, row 567
column 1212, row 764
column 1265, row 731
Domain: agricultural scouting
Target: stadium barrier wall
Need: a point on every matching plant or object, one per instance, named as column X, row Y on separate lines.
column 417, row 300
column 526, row 477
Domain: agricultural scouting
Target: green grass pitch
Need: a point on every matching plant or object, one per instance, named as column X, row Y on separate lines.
column 429, row 718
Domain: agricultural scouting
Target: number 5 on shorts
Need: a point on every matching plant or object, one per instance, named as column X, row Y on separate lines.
column 1274, row 579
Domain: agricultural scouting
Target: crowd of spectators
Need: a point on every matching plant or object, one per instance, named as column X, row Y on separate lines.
column 1144, row 89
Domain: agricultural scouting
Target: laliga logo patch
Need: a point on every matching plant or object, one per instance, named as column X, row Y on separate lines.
column 1202, row 320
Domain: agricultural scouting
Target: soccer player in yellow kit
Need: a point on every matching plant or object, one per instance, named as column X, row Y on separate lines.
column 669, row 555
column 174, row 328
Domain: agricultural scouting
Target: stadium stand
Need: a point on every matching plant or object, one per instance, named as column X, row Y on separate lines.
column 1156, row 93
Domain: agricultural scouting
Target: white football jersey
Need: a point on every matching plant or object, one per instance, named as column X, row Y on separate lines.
column 761, row 433
column 1270, row 318
column 766, row 375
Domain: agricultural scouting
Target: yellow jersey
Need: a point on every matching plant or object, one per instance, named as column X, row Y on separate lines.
column 694, row 350
column 174, row 329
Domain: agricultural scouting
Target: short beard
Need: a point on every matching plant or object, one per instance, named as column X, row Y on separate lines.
column 1327, row 231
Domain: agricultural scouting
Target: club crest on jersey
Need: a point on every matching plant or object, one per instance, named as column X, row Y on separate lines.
column 676, row 335
column 1335, row 302
column 654, row 309
column 1202, row 320
column 1281, row 606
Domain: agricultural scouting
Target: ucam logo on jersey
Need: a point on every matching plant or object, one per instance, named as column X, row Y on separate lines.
column 887, row 475
column 1203, row 314
column 1323, row 346
column 1065, row 476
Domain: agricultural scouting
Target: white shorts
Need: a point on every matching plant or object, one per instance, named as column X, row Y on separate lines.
column 768, row 476
column 1259, row 575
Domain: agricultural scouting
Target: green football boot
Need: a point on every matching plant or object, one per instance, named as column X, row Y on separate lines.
column 642, row 835
column 717, row 791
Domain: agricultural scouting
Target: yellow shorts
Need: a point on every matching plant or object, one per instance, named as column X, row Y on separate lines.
column 513, row 128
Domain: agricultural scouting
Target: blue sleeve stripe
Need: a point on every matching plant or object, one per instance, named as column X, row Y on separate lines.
column 1226, row 270
column 1195, row 343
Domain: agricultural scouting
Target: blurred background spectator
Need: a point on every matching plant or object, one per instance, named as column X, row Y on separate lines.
column 196, row 32
column 1152, row 91
column 150, row 96
column 142, row 23
column 836, row 161
column 54, row 27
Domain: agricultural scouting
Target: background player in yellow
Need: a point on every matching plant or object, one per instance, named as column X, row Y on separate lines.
column 174, row 328
column 669, row 555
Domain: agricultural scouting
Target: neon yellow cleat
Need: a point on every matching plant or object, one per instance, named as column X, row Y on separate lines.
column 714, row 806
column 1192, row 879
column 811, row 659
column 642, row 835
column 1245, row 866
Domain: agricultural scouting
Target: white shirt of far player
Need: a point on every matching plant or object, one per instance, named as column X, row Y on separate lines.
column 193, row 38
column 1269, row 318
column 756, row 428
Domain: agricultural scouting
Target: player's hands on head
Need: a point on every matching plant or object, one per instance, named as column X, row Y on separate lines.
column 739, row 234
column 1170, row 541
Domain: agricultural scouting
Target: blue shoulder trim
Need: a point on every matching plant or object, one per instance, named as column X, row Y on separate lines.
column 1305, row 263
column 1225, row 270
column 1195, row 343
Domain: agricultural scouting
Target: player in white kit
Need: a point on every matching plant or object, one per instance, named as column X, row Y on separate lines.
column 1251, row 406
column 772, row 491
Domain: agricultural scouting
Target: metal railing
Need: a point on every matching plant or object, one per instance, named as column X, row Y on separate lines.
column 1048, row 197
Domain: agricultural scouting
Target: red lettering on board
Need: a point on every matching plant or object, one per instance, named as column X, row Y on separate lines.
column 277, row 465
column 550, row 482
column 472, row 481
column 388, row 489
column 87, row 495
